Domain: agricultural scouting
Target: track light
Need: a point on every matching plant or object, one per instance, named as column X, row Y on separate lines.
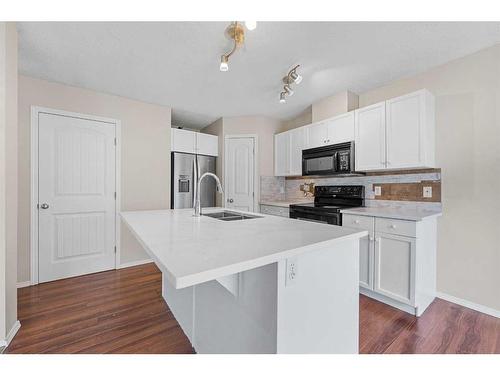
column 251, row 25
column 291, row 78
column 224, row 67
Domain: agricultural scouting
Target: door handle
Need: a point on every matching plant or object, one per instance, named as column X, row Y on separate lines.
column 44, row 206
column 230, row 200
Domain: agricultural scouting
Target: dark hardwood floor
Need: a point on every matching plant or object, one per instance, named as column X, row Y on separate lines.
column 123, row 312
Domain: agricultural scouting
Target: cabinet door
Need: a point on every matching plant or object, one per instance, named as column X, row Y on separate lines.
column 395, row 267
column 207, row 144
column 366, row 247
column 298, row 142
column 369, row 137
column 318, row 135
column 405, row 130
column 282, row 154
column 341, row 129
column 183, row 141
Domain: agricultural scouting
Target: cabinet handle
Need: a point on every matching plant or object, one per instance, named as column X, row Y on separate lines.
column 392, row 226
column 356, row 221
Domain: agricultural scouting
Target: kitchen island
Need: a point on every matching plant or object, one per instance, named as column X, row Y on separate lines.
column 262, row 285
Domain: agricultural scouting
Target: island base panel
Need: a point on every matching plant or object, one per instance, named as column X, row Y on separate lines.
column 316, row 313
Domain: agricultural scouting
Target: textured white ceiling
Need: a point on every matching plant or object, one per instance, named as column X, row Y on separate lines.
column 177, row 63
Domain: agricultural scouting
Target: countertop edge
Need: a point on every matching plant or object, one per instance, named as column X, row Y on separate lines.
column 205, row 276
column 185, row 281
column 386, row 215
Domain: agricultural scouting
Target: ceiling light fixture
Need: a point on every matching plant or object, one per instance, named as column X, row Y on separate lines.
column 291, row 78
column 236, row 32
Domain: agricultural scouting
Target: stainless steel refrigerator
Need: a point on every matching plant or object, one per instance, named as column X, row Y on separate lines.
column 183, row 180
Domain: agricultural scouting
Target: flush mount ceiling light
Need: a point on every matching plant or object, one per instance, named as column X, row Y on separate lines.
column 236, row 32
column 291, row 78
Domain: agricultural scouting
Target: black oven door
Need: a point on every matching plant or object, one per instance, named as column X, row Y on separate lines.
column 321, row 217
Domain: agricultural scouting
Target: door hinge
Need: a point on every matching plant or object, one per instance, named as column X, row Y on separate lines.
column 115, row 141
column 115, row 195
column 115, row 249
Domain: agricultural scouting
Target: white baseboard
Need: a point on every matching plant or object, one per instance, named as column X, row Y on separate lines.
column 23, row 284
column 134, row 263
column 471, row 305
column 11, row 334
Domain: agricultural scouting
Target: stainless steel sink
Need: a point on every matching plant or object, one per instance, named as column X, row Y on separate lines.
column 230, row 216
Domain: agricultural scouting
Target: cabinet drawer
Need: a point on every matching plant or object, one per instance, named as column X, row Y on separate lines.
column 394, row 226
column 358, row 222
column 274, row 210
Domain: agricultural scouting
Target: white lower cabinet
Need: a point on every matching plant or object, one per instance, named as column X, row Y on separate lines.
column 397, row 260
column 395, row 267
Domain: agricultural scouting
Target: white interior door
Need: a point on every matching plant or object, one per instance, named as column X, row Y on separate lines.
column 76, row 195
column 240, row 173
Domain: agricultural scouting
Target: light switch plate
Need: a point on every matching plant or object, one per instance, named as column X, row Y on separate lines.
column 427, row 191
column 378, row 190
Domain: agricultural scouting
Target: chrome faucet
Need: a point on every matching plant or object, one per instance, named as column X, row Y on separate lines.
column 197, row 203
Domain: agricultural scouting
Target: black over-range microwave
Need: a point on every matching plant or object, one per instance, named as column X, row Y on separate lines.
column 328, row 160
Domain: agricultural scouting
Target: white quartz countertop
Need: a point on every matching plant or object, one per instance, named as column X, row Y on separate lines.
column 286, row 203
column 413, row 214
column 192, row 250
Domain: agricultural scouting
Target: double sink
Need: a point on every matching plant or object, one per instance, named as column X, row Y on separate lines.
column 230, row 216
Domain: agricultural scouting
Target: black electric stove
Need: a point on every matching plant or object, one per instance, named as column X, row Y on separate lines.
column 328, row 202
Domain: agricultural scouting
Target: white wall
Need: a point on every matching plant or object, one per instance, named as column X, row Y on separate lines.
column 467, row 94
column 145, row 150
column 8, row 178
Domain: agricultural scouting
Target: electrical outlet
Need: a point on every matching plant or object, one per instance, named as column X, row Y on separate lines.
column 378, row 190
column 427, row 191
column 291, row 271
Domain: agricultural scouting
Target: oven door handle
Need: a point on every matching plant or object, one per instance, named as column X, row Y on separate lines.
column 336, row 161
column 315, row 221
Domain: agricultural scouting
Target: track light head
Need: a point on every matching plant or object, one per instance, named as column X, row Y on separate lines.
column 251, row 25
column 283, row 97
column 288, row 90
column 224, row 66
column 297, row 78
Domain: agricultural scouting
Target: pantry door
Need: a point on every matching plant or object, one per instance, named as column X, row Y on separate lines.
column 240, row 172
column 76, row 196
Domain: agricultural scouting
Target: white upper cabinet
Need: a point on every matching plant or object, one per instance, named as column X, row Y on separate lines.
column 410, row 130
column 298, row 142
column 338, row 129
column 318, row 134
column 194, row 143
column 396, row 134
column 369, row 137
column 207, row 144
column 288, row 148
column 282, row 154
column 341, row 128
column 183, row 141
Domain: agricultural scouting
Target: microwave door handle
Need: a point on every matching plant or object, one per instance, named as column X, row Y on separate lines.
column 336, row 162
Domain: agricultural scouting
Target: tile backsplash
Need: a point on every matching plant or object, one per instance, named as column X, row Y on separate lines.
column 400, row 189
column 272, row 188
